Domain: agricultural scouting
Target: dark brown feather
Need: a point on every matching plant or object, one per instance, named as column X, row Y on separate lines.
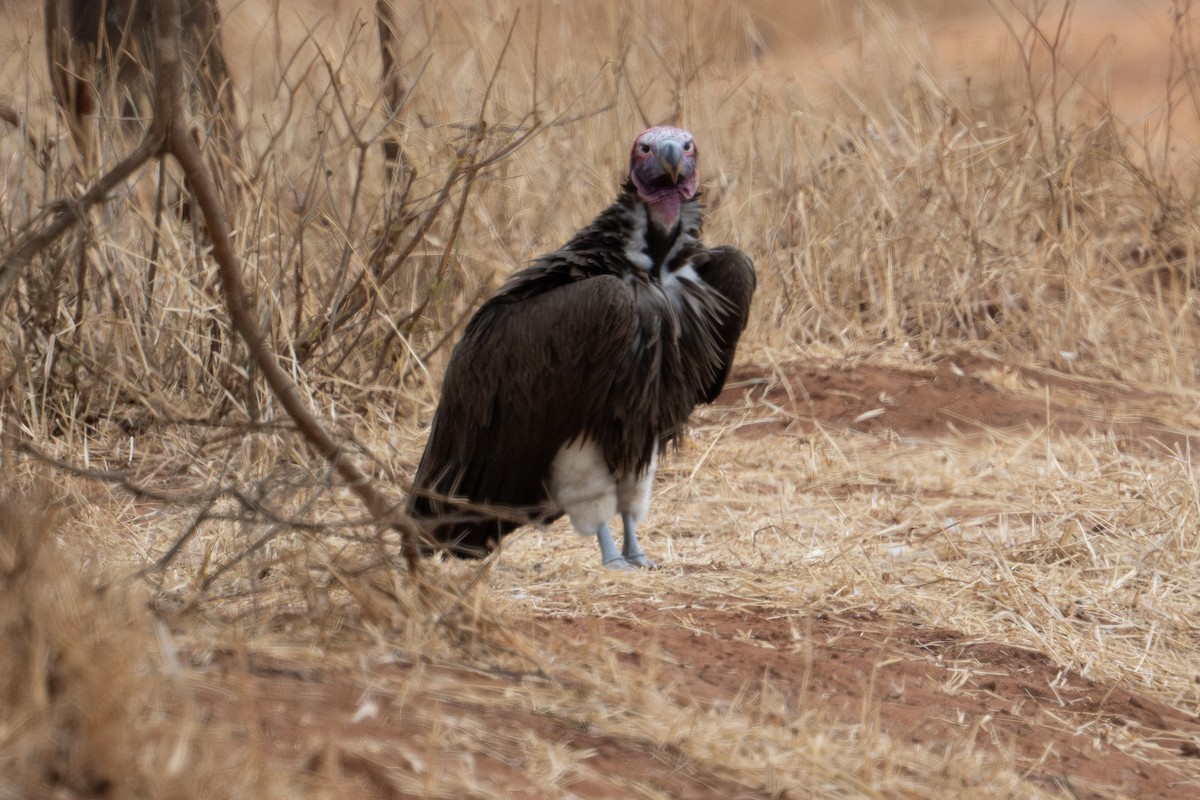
column 731, row 273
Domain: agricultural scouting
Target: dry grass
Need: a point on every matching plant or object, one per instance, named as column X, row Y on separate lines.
column 94, row 699
column 200, row 575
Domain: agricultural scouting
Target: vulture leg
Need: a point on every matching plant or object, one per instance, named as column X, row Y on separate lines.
column 608, row 549
column 581, row 485
column 633, row 501
column 633, row 550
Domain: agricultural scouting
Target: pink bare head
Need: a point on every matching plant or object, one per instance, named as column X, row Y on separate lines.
column 663, row 169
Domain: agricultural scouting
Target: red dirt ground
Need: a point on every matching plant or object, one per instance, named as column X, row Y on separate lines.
column 954, row 398
column 935, row 687
column 308, row 721
column 931, row 686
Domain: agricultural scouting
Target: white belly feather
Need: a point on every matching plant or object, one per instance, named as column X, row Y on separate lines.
column 582, row 486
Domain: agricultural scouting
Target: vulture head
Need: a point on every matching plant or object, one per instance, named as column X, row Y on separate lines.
column 662, row 167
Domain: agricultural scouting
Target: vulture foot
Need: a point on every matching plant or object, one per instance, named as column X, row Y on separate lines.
column 632, row 550
column 641, row 560
column 608, row 549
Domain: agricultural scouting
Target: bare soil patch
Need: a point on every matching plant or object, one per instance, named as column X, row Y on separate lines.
column 450, row 721
column 930, row 686
column 393, row 732
column 952, row 396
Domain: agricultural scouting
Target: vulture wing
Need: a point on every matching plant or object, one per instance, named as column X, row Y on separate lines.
column 730, row 272
column 535, row 368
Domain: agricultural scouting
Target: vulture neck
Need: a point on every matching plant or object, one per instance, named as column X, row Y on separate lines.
column 659, row 241
column 655, row 243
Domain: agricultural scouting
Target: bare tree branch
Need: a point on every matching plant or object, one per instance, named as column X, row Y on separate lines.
column 238, row 301
column 166, row 134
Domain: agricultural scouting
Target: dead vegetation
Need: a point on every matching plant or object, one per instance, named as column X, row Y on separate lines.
column 936, row 539
column 95, row 703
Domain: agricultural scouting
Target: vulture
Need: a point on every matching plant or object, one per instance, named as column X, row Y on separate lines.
column 572, row 378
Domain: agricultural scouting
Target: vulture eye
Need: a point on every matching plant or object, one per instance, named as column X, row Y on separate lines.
column 643, row 147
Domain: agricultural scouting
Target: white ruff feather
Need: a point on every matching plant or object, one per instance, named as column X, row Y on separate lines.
column 679, row 282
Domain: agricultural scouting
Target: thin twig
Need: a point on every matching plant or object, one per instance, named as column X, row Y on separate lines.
column 60, row 216
column 41, row 153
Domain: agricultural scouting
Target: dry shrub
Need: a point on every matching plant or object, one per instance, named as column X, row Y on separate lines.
column 1012, row 208
column 87, row 708
column 72, row 668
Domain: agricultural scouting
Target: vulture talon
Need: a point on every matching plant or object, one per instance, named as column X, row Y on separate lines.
column 569, row 380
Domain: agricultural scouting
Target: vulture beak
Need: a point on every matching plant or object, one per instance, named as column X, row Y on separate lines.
column 670, row 158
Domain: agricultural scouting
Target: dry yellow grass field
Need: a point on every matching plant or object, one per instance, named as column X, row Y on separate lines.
column 938, row 537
